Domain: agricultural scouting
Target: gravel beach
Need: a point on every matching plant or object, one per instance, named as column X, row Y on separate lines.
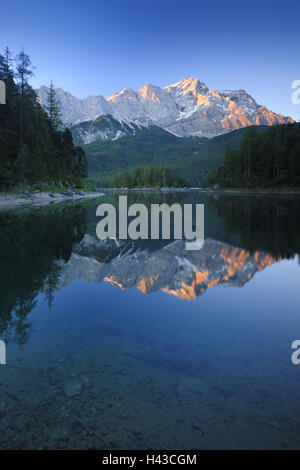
column 9, row 201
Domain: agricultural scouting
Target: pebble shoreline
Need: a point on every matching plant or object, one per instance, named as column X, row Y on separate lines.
column 9, row 201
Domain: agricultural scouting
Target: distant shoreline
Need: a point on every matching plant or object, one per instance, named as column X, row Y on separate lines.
column 41, row 198
column 237, row 191
column 246, row 191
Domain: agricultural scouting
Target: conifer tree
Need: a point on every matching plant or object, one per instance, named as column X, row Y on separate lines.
column 24, row 70
column 24, row 73
column 53, row 108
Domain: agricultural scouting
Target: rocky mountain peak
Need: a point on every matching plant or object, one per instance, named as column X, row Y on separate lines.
column 188, row 85
column 150, row 92
column 122, row 95
column 185, row 108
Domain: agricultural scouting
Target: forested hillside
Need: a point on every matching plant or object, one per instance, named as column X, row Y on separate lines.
column 268, row 159
column 33, row 145
column 192, row 158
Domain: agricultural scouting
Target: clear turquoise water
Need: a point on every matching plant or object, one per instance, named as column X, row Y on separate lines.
column 92, row 365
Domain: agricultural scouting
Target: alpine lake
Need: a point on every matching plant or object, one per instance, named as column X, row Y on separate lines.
column 120, row 344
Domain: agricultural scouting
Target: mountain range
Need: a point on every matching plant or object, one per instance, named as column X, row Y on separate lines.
column 186, row 108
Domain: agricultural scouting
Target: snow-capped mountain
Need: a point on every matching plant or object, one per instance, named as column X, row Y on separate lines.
column 186, row 108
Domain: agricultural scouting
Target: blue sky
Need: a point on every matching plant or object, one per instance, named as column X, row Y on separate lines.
column 100, row 47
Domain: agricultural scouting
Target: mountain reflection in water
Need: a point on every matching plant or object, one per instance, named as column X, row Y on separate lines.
column 185, row 274
column 42, row 250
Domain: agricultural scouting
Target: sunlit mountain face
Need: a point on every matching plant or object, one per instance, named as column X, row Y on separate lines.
column 172, row 269
column 185, row 108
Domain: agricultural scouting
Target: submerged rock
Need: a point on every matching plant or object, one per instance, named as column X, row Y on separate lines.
column 193, row 385
column 72, row 388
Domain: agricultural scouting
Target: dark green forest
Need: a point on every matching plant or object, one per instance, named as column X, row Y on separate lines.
column 33, row 145
column 271, row 159
column 148, row 146
column 148, row 177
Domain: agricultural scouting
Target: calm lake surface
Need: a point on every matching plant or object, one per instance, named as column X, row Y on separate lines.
column 121, row 345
